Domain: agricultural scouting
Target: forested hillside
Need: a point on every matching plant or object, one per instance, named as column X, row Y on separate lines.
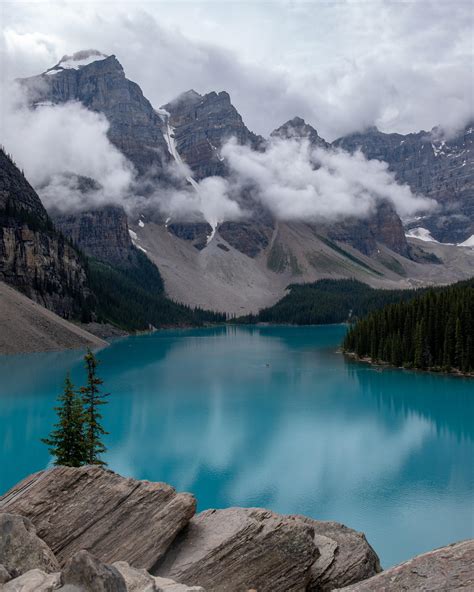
column 433, row 331
column 133, row 297
column 328, row 301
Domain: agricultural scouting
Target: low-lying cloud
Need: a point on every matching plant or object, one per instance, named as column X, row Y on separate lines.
column 298, row 182
column 57, row 145
column 68, row 157
column 210, row 199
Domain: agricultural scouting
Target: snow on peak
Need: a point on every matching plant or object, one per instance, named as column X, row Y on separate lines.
column 77, row 60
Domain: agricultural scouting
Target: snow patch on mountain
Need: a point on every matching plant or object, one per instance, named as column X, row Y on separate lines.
column 468, row 242
column 171, row 143
column 422, row 234
column 76, row 61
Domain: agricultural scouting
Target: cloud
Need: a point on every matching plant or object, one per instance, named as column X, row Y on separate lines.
column 57, row 145
column 67, row 156
column 343, row 66
column 210, row 199
column 297, row 182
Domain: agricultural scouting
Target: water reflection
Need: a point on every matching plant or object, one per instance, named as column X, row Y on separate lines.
column 271, row 417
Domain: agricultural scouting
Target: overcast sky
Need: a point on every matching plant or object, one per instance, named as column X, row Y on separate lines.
column 342, row 65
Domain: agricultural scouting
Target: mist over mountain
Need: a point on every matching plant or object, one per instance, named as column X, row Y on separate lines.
column 193, row 170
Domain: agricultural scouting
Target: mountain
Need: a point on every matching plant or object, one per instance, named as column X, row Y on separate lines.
column 100, row 84
column 383, row 226
column 236, row 266
column 298, row 128
column 34, row 257
column 200, row 125
column 437, row 167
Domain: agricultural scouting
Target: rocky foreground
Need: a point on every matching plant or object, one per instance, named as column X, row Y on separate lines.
column 91, row 530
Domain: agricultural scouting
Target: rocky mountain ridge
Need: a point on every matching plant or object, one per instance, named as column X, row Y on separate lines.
column 257, row 254
column 34, row 257
column 200, row 126
column 100, row 84
column 442, row 169
column 90, row 528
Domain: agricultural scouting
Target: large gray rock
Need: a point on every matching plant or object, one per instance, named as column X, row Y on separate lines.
column 136, row 580
column 447, row 569
column 345, row 556
column 20, row 547
column 139, row 580
column 89, row 574
column 115, row 518
column 34, row 580
column 240, row 549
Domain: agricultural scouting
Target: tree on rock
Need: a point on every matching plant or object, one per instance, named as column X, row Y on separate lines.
column 67, row 440
column 92, row 399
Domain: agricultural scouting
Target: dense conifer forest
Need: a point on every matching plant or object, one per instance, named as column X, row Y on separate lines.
column 327, row 301
column 133, row 298
column 433, row 331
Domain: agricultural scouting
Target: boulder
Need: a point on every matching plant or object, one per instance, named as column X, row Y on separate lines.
column 89, row 574
column 345, row 556
column 115, row 518
column 34, row 580
column 240, row 549
column 136, row 580
column 21, row 549
column 449, row 568
column 139, row 580
column 167, row 585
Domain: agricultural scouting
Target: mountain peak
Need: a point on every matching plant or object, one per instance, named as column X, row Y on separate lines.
column 298, row 128
column 77, row 60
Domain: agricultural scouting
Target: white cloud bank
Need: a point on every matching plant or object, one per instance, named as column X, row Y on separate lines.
column 55, row 144
column 298, row 182
column 58, row 144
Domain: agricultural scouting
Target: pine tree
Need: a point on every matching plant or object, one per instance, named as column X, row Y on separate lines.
column 434, row 331
column 66, row 442
column 92, row 398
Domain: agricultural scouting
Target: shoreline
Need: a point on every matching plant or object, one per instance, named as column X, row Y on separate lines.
column 382, row 364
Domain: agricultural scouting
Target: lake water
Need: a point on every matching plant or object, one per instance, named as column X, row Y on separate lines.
column 273, row 417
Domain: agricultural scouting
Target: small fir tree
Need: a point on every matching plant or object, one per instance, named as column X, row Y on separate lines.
column 92, row 399
column 66, row 442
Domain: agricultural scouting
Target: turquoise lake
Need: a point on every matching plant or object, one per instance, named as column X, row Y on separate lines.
column 273, row 417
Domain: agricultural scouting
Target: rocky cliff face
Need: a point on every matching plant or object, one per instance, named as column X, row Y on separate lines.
column 99, row 83
column 442, row 169
column 384, row 226
column 102, row 233
column 201, row 125
column 34, row 257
